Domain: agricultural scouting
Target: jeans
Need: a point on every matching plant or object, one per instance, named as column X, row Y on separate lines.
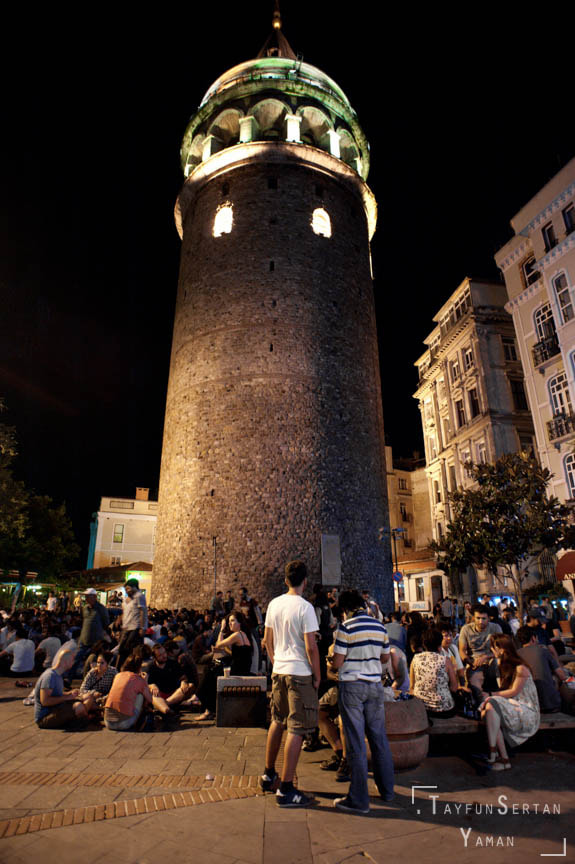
column 362, row 710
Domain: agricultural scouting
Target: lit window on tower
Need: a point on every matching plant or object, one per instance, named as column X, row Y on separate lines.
column 321, row 223
column 224, row 220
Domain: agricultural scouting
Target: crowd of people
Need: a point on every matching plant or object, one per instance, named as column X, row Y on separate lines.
column 334, row 661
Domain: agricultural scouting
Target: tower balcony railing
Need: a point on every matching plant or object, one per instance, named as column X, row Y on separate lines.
column 560, row 425
column 545, row 349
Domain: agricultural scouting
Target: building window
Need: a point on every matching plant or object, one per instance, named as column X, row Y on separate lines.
column 403, row 511
column 223, row 221
column 118, row 533
column 115, row 561
column 474, row 406
column 549, row 238
column 559, row 395
column 432, row 447
column 530, row 274
column 419, row 589
column 321, row 223
column 452, row 479
column 437, row 492
column 122, row 505
column 402, row 483
column 563, row 297
column 481, row 450
column 468, row 359
column 518, row 394
column 544, row 323
column 526, row 444
column 460, row 413
column 570, row 473
column 569, row 218
column 509, row 349
column 455, row 370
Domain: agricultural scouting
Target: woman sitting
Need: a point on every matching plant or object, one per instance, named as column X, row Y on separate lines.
column 127, row 697
column 512, row 714
column 99, row 680
column 233, row 649
column 432, row 677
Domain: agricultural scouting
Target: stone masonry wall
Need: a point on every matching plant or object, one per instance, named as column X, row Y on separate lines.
column 273, row 431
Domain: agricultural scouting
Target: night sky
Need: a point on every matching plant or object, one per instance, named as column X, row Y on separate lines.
column 466, row 122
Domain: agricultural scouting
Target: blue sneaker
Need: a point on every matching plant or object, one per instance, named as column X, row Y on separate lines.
column 294, row 798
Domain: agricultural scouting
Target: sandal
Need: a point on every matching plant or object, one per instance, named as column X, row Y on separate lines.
column 500, row 764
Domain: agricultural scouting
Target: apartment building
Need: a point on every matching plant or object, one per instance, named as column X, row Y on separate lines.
column 123, row 531
column 538, row 265
column 471, row 395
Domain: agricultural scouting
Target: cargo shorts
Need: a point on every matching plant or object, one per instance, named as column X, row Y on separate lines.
column 294, row 703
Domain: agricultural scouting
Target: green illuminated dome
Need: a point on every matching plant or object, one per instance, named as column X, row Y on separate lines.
column 275, row 98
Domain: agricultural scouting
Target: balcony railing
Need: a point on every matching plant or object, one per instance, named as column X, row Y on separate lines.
column 561, row 425
column 545, row 349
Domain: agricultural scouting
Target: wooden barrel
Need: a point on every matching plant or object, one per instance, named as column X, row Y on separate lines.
column 407, row 727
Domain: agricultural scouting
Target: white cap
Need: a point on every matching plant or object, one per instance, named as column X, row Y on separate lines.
column 91, row 591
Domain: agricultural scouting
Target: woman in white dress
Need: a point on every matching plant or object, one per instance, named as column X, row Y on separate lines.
column 512, row 714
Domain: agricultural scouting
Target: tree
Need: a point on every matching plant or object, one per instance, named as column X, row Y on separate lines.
column 35, row 533
column 503, row 520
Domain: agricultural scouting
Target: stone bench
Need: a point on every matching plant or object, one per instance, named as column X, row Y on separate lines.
column 466, row 726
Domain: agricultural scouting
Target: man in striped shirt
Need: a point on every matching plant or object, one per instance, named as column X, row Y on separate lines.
column 361, row 644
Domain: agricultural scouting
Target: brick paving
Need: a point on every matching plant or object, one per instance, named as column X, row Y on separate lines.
column 99, row 797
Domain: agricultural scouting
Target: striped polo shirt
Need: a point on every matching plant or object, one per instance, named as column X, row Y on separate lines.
column 362, row 639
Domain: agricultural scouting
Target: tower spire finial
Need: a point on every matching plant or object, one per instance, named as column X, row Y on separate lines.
column 277, row 18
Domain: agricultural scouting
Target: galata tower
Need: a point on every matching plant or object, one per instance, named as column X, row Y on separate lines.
column 273, row 442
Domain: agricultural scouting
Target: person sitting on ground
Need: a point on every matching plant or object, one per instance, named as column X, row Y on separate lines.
column 432, row 677
column 168, row 685
column 99, row 680
column 47, row 649
column 128, row 696
column 512, row 714
column 54, row 709
column 544, row 667
column 17, row 658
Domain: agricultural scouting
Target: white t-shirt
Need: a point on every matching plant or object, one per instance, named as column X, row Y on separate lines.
column 289, row 617
column 51, row 646
column 23, row 653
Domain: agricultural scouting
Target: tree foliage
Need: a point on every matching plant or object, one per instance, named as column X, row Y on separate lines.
column 503, row 520
column 35, row 533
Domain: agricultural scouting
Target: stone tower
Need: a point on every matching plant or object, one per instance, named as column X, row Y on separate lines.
column 273, row 442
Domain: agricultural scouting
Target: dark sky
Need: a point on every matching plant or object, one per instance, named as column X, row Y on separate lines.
column 463, row 128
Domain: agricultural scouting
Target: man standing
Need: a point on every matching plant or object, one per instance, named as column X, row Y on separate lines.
column 291, row 644
column 361, row 644
column 134, row 620
column 95, row 622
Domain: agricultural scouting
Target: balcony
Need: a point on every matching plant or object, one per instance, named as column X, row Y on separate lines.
column 545, row 349
column 561, row 425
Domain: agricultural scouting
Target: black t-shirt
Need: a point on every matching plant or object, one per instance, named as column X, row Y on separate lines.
column 167, row 679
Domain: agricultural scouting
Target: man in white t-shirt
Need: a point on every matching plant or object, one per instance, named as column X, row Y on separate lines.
column 20, row 653
column 290, row 641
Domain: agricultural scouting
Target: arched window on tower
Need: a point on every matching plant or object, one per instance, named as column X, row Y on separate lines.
column 223, row 220
column 321, row 223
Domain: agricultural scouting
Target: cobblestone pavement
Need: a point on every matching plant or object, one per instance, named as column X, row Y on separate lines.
column 100, row 796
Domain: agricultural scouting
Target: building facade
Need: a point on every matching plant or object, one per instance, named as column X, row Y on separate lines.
column 538, row 265
column 123, row 531
column 471, row 395
column 273, row 441
column 418, row 584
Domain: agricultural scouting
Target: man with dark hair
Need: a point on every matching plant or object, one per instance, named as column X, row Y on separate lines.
column 474, row 644
column 290, row 641
column 544, row 666
column 396, row 632
column 361, row 644
column 134, row 620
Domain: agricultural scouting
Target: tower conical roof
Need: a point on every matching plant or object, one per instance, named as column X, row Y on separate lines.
column 276, row 45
